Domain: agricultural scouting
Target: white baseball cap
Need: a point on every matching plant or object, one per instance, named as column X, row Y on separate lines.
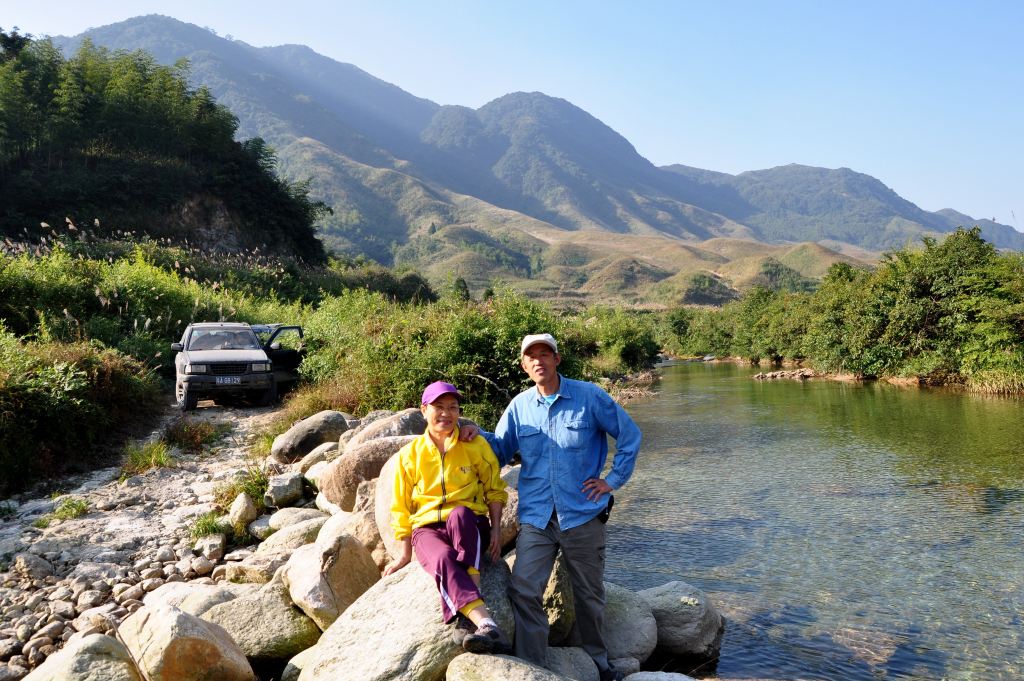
column 545, row 338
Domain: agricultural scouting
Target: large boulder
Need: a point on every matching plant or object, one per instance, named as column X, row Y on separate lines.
column 339, row 482
column 572, row 663
column 308, row 434
column 401, row 616
column 170, row 645
column 266, row 625
column 293, row 536
column 90, row 658
column 687, row 622
column 328, row 451
column 259, row 568
column 630, row 629
column 323, row 580
column 510, row 513
column 487, row 667
column 31, row 566
column 659, row 676
column 407, row 422
column 382, row 508
column 558, row 600
column 283, row 490
column 293, row 516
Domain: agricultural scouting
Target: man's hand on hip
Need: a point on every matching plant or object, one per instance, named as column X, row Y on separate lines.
column 595, row 488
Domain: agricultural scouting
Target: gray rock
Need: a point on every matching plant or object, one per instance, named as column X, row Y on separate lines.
column 31, row 566
column 90, row 658
column 339, row 482
column 324, row 580
column 487, row 667
column 258, row 568
column 328, row 451
column 308, row 434
column 283, row 490
column 293, row 516
column 211, row 546
column 659, row 676
column 687, row 622
column 293, row 536
column 366, row 495
column 416, row 646
column 168, row 645
column 243, row 511
column 260, row 528
column 407, row 422
column 296, row 664
column 265, row 624
column 572, row 663
column 629, row 627
column 558, row 600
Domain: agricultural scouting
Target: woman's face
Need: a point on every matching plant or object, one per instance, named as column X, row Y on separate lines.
column 442, row 414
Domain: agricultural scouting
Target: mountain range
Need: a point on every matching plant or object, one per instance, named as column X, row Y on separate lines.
column 527, row 187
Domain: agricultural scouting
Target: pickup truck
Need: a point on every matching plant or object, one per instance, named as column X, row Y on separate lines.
column 230, row 362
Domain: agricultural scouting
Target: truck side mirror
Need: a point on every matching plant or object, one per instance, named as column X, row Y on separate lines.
column 177, row 347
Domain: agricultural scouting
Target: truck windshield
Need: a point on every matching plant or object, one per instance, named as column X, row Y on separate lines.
column 219, row 339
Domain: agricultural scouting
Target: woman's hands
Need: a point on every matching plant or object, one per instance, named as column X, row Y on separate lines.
column 494, row 547
column 399, row 563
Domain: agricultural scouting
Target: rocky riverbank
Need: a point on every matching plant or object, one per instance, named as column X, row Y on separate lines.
column 295, row 592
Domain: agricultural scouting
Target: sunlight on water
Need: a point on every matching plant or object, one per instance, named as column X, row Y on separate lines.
column 847, row 531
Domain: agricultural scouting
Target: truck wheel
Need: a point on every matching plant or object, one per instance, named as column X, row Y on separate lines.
column 187, row 400
column 269, row 396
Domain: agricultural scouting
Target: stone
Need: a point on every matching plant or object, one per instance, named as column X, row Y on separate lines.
column 258, row 568
column 558, row 600
column 364, row 528
column 265, row 624
column 572, row 663
column 292, row 516
column 165, row 554
column 630, row 629
column 407, row 422
column 90, row 658
column 626, row 665
column 510, row 513
column 307, row 434
column 283, row 490
column 211, row 546
column 382, row 509
column 366, row 494
column 31, row 566
column 687, row 622
column 486, row 667
column 416, row 645
column 169, row 644
column 326, row 451
column 659, row 676
column 243, row 511
column 202, row 565
column 327, row 506
column 363, row 461
column 260, row 528
column 297, row 664
column 324, row 579
column 293, row 536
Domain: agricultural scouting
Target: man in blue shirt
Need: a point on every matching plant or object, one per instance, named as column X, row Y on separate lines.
column 559, row 428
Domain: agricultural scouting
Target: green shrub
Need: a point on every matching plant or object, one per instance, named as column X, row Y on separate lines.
column 139, row 458
column 67, row 508
column 207, row 524
column 253, row 481
column 192, row 436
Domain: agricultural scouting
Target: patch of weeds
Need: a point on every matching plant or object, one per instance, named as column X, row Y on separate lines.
column 253, row 481
column 139, row 458
column 264, row 441
column 207, row 524
column 192, row 436
column 7, row 510
column 67, row 509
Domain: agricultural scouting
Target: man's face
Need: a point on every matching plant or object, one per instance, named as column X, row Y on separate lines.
column 540, row 363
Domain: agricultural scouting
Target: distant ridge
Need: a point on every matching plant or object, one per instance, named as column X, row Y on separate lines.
column 400, row 170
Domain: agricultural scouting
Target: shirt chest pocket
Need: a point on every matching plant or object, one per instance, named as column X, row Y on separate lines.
column 575, row 434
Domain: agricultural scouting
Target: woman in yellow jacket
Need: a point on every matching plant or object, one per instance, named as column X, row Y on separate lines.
column 444, row 491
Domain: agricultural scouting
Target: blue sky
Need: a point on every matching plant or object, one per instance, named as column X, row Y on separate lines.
column 926, row 96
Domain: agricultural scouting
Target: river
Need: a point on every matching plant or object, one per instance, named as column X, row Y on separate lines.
column 847, row 531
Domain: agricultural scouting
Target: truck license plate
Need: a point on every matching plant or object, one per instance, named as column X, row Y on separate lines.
column 229, row 380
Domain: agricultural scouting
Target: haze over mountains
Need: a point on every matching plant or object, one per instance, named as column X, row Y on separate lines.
column 511, row 188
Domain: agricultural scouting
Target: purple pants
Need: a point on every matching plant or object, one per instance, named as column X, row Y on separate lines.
column 446, row 549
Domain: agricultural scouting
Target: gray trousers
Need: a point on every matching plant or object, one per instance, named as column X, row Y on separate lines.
column 583, row 549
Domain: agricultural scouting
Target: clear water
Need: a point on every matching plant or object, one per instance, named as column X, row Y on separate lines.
column 847, row 531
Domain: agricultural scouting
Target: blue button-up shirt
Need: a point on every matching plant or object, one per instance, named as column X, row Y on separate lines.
column 562, row 445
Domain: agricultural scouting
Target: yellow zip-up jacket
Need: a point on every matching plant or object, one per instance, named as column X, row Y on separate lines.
column 428, row 484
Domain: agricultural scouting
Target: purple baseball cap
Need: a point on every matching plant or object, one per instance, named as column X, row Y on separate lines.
column 438, row 388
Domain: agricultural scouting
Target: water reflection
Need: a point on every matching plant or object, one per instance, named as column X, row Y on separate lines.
column 848, row 531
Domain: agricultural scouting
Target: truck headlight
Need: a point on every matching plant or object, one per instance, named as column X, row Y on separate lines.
column 261, row 366
column 196, row 368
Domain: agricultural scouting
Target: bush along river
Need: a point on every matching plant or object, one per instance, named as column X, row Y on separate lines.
column 847, row 530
